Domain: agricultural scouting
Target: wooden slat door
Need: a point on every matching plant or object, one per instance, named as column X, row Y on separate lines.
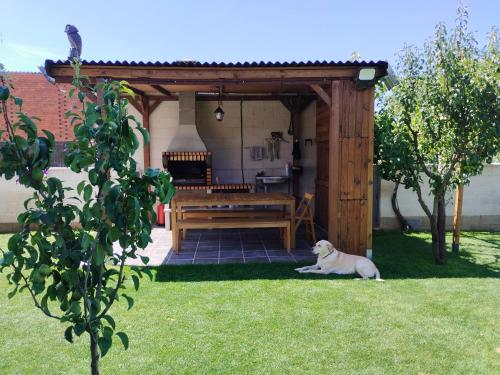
column 323, row 149
column 352, row 222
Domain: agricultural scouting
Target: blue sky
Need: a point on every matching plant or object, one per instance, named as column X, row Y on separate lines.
column 33, row 30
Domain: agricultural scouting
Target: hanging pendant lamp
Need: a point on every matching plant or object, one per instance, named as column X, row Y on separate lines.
column 219, row 113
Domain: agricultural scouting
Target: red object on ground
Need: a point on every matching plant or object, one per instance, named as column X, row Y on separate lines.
column 160, row 214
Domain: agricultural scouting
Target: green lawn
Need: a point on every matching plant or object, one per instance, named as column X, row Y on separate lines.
column 267, row 319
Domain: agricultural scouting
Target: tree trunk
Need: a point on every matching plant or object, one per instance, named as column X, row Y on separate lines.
column 94, row 354
column 441, row 228
column 403, row 223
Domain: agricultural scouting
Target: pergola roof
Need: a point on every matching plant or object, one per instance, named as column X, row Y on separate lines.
column 247, row 64
column 162, row 80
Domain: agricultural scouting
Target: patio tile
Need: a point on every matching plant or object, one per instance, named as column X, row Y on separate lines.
column 276, row 253
column 307, row 253
column 255, row 253
column 203, row 249
column 206, row 261
column 182, row 255
column 231, row 254
column 188, row 245
column 224, row 241
column 208, row 242
column 207, row 254
column 230, row 248
column 231, row 260
column 179, row 261
column 280, row 259
column 257, row 260
column 253, row 248
column 304, row 258
column 274, row 246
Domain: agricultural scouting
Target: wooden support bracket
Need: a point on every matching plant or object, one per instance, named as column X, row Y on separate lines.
column 322, row 94
column 161, row 90
column 136, row 104
column 153, row 106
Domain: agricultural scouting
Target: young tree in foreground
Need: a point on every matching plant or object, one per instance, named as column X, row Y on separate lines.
column 443, row 117
column 73, row 275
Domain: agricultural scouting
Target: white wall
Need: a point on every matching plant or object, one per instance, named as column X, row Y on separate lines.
column 13, row 195
column 223, row 138
column 162, row 124
column 480, row 210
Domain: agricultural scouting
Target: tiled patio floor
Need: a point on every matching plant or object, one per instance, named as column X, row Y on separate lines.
column 225, row 246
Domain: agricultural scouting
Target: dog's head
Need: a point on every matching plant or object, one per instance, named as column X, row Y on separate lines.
column 322, row 248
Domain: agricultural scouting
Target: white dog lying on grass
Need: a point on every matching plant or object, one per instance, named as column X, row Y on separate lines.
column 330, row 260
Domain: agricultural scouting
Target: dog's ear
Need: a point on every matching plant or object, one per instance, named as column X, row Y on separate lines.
column 329, row 246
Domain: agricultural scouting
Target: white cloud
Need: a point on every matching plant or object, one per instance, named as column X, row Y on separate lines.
column 16, row 56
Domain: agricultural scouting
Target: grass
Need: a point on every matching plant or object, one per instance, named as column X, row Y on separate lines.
column 267, row 319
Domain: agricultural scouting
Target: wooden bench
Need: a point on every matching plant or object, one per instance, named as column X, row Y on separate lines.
column 226, row 223
column 209, row 213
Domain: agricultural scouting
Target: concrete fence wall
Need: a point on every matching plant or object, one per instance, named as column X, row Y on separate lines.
column 13, row 195
column 480, row 210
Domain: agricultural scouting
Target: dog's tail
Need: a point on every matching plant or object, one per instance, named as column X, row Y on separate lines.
column 377, row 275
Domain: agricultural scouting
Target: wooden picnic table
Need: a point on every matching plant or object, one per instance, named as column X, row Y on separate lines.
column 184, row 199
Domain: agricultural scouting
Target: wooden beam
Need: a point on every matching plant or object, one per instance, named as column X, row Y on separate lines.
column 137, row 91
column 90, row 95
column 333, row 166
column 457, row 217
column 136, row 104
column 322, row 94
column 169, row 74
column 238, row 97
column 145, row 123
column 161, row 90
column 153, row 106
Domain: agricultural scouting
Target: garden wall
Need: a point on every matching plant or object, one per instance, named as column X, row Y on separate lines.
column 481, row 204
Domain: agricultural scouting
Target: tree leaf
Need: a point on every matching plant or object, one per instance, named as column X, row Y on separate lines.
column 130, row 301
column 80, row 186
column 68, row 334
column 104, row 343
column 79, row 328
column 144, row 259
column 110, row 320
column 12, row 293
column 87, row 192
column 99, row 254
column 135, row 279
column 123, row 336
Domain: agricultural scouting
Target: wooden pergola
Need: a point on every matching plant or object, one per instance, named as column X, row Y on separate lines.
column 344, row 120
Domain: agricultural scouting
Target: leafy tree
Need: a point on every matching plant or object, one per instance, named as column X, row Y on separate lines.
column 443, row 117
column 72, row 274
column 391, row 152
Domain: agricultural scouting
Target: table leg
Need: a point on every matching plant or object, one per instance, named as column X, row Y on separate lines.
column 292, row 224
column 175, row 231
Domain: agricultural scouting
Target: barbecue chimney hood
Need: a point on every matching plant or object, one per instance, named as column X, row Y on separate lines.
column 186, row 137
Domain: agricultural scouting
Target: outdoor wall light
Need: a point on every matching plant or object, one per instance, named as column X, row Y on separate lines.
column 366, row 78
column 219, row 113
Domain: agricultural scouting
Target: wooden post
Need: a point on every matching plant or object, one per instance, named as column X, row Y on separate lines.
column 457, row 218
column 333, row 166
column 145, row 124
column 369, row 197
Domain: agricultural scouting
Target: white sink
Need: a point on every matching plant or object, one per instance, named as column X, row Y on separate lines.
column 272, row 179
